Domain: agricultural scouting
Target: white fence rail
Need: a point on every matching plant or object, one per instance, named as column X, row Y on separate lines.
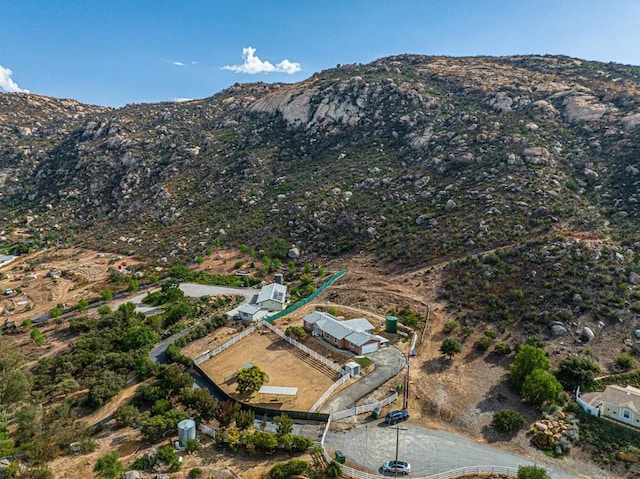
column 329, row 392
column 362, row 409
column 305, row 349
column 594, row 411
column 209, row 354
column 462, row 471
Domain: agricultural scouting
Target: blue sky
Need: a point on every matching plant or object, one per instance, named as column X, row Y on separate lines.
column 113, row 52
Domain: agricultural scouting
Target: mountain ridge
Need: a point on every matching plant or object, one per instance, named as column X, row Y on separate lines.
column 351, row 158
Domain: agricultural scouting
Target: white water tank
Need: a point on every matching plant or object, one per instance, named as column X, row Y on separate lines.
column 186, row 431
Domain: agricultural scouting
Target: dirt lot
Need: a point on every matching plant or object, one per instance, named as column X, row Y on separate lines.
column 47, row 278
column 284, row 364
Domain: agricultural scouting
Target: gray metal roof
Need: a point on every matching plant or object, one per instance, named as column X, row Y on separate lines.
column 359, row 338
column 274, row 291
column 285, row 391
column 334, row 328
column 359, row 324
column 313, row 318
column 249, row 309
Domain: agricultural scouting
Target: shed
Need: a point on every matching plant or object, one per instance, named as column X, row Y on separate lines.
column 352, row 368
column 273, row 393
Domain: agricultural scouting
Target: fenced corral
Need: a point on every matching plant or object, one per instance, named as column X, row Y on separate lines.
column 354, row 411
column 308, row 299
column 306, row 350
column 214, row 352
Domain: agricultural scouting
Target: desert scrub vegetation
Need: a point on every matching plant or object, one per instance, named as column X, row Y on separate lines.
column 552, row 285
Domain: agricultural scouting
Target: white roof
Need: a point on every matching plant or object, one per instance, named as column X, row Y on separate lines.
column 359, row 338
column 355, row 330
column 285, row 391
column 359, row 324
column 249, row 309
column 274, row 291
column 313, row 318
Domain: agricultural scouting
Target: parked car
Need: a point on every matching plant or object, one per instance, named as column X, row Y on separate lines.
column 396, row 416
column 400, row 467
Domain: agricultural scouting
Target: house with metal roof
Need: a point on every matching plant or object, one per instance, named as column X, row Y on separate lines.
column 251, row 313
column 273, row 297
column 353, row 335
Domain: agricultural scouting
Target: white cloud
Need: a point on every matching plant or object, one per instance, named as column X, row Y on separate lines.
column 252, row 65
column 180, row 99
column 177, row 63
column 6, row 83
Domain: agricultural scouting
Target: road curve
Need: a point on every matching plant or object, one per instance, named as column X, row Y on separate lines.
column 428, row 451
column 389, row 362
column 158, row 353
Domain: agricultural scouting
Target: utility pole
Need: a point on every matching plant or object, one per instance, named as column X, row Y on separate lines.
column 366, row 445
column 398, row 429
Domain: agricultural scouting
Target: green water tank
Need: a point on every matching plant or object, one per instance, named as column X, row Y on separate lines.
column 391, row 324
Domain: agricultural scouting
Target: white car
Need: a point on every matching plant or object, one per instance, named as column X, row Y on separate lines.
column 397, row 466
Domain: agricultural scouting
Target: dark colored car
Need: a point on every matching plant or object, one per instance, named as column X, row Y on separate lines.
column 396, row 416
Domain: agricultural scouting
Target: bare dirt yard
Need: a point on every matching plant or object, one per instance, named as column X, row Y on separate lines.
column 285, row 365
column 46, row 278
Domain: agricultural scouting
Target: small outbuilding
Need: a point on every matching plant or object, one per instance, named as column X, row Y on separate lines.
column 251, row 313
column 352, row 368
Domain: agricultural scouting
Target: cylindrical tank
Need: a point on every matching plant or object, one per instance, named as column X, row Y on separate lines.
column 186, row 431
column 391, row 324
column 278, row 278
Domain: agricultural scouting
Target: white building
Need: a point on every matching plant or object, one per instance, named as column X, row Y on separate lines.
column 273, row 297
column 251, row 313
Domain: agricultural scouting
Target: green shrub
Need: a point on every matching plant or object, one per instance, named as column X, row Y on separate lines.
column 625, row 361
column 451, row 325
column 508, row 421
column 483, row 344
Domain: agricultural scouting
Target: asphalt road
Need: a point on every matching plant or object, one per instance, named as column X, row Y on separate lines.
column 428, row 451
column 389, row 362
column 158, row 353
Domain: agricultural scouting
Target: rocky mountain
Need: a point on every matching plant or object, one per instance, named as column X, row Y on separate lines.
column 411, row 157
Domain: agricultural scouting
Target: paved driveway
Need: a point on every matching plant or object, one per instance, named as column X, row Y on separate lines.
column 389, row 362
column 428, row 452
column 158, row 353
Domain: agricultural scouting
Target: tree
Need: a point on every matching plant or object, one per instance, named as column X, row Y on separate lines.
column 109, row 466
column 167, row 455
column 334, row 470
column 507, row 421
column 296, row 332
column 192, row 445
column 541, row 386
column 575, row 371
column 450, row 347
column 250, row 379
column 82, row 304
column 226, row 412
column 126, row 415
column 527, row 359
column 37, row 337
column 15, row 379
column 106, row 295
column 284, row 424
column 532, row 472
